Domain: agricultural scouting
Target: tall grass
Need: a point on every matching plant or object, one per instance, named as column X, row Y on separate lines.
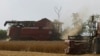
column 37, row 46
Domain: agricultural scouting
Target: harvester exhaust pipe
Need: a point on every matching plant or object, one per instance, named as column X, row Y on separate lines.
column 92, row 18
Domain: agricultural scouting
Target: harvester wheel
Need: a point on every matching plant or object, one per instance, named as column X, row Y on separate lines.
column 67, row 50
column 96, row 49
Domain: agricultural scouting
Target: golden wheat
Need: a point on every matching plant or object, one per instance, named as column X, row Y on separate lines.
column 37, row 46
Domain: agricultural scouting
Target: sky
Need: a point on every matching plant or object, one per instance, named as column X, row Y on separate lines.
column 29, row 10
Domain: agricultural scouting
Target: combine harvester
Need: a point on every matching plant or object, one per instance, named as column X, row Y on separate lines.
column 81, row 44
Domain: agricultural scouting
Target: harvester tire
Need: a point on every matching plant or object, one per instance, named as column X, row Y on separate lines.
column 67, row 51
column 96, row 49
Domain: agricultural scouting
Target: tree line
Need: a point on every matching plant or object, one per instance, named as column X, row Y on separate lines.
column 3, row 34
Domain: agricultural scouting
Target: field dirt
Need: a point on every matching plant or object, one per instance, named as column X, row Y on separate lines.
column 23, row 53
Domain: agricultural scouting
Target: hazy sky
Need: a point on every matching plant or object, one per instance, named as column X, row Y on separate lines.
column 37, row 9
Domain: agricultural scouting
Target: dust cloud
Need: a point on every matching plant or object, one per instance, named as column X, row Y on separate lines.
column 77, row 27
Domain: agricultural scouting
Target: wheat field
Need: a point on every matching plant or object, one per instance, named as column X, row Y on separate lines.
column 35, row 46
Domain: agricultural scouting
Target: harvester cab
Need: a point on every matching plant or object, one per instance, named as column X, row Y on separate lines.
column 85, row 44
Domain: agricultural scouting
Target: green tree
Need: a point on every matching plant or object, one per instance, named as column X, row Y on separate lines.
column 3, row 34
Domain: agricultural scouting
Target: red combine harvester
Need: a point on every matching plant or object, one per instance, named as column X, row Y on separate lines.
column 32, row 30
column 86, row 44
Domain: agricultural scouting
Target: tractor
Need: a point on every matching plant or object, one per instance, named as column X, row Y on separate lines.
column 81, row 44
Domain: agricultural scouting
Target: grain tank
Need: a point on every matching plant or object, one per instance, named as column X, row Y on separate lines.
column 32, row 30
